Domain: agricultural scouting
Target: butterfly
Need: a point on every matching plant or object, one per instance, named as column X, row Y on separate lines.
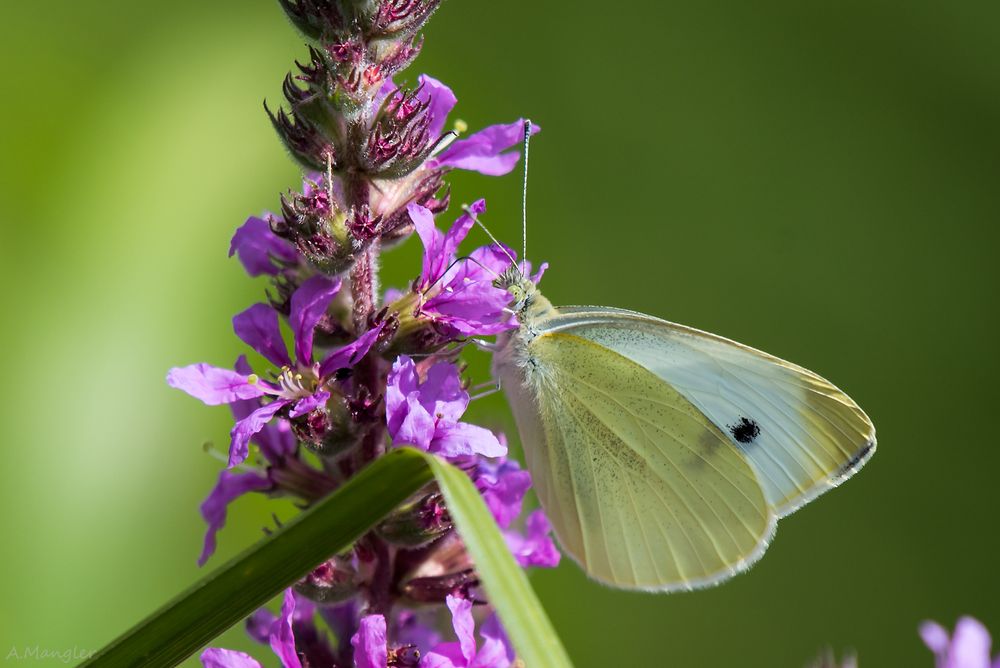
column 664, row 455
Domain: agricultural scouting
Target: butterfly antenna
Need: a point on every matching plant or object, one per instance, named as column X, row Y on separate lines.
column 455, row 262
column 513, row 262
column 524, row 193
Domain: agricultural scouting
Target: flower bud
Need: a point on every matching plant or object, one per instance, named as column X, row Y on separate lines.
column 402, row 17
column 315, row 18
column 436, row 589
column 332, row 581
column 416, row 523
column 318, row 229
column 328, row 430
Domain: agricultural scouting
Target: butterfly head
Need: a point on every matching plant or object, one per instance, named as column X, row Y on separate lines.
column 528, row 301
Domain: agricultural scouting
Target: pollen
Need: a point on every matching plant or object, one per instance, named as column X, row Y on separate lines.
column 460, row 126
column 253, row 379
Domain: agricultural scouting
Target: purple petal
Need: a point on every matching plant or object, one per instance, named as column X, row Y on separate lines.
column 503, row 489
column 439, row 249
column 465, row 626
column 537, row 277
column 282, row 638
column 496, row 651
column 228, row 487
column 462, row 439
column 214, row 657
column 246, row 428
column 441, row 99
column 309, row 303
column 442, row 393
column 309, row 404
column 412, row 630
column 414, row 425
column 402, row 382
column 261, row 250
column 444, row 655
column 483, row 151
column 369, row 643
column 342, row 619
column 213, row 385
column 258, row 328
column 970, row 645
column 351, row 354
column 276, row 440
column 435, row 260
column 935, row 637
column 259, row 625
column 536, row 547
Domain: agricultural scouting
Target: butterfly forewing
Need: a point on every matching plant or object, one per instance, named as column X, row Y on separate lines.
column 643, row 490
column 801, row 434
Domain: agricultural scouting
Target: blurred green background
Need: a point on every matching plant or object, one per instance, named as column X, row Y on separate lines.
column 816, row 179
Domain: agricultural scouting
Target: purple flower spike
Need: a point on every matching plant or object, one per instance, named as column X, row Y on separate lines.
column 260, row 250
column 258, row 328
column 969, row 647
column 427, row 415
column 308, row 306
column 227, row 658
column 483, row 151
column 213, row 385
column 282, row 638
column 495, row 652
column 369, row 643
column 229, row 487
column 535, row 546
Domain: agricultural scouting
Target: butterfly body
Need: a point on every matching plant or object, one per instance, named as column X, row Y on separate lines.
column 663, row 455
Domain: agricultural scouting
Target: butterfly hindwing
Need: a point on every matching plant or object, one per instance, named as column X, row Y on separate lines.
column 641, row 487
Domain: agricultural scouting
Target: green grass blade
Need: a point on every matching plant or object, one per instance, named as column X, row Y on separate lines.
column 235, row 590
column 505, row 582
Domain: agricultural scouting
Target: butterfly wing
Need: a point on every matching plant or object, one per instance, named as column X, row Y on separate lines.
column 801, row 434
column 642, row 489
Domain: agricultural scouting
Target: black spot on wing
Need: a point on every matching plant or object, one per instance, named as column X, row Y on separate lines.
column 745, row 431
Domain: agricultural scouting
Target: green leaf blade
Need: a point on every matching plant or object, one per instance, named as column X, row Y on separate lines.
column 247, row 582
column 506, row 583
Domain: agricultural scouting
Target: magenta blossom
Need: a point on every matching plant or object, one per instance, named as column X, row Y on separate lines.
column 969, row 647
column 301, row 386
column 426, row 415
column 459, row 295
column 495, row 651
column 534, row 547
column 486, row 151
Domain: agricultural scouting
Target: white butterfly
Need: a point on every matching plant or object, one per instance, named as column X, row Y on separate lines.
column 664, row 455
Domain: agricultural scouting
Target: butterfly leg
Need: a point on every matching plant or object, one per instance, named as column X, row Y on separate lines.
column 485, row 389
column 483, row 344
